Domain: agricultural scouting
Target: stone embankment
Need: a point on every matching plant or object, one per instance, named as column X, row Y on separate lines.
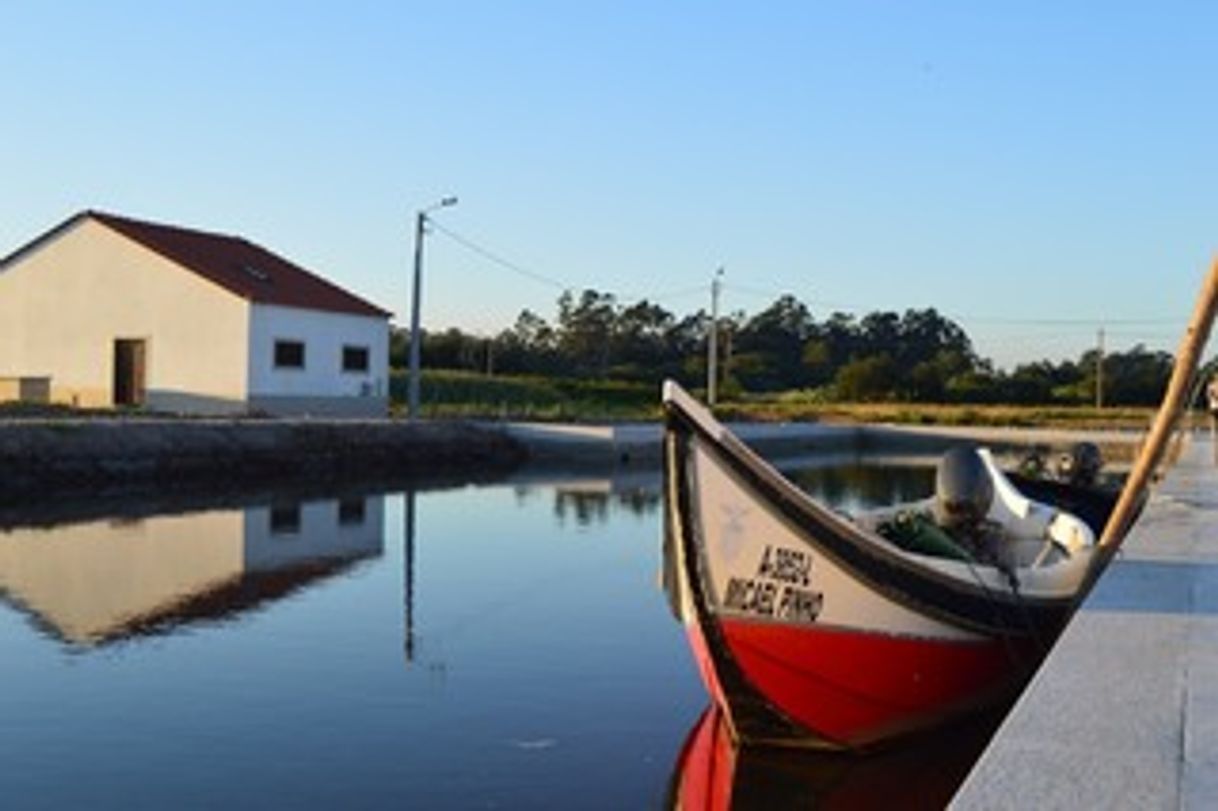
column 37, row 456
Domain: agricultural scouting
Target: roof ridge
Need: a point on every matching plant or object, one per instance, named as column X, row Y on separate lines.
column 137, row 221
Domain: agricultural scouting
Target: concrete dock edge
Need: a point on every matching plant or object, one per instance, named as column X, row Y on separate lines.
column 640, row 442
column 1124, row 711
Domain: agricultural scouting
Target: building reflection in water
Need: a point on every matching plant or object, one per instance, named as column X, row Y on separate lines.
column 712, row 774
column 103, row 581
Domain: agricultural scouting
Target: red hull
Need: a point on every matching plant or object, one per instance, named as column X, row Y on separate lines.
column 852, row 689
column 706, row 767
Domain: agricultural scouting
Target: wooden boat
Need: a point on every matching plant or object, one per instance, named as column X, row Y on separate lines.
column 814, row 628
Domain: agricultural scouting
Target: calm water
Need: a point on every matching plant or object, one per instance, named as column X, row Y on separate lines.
column 480, row 647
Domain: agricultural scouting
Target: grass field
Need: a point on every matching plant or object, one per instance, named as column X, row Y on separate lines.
column 464, row 394
column 468, row 394
column 933, row 414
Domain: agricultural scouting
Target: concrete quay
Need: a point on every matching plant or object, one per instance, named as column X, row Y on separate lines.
column 640, row 442
column 1124, row 711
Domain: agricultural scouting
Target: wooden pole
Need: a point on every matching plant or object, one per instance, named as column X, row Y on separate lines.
column 1191, row 347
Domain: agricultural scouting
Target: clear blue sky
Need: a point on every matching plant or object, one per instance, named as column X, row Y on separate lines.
column 1015, row 167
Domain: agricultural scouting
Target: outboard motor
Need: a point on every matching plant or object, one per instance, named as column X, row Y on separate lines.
column 1034, row 463
column 963, row 490
column 1080, row 465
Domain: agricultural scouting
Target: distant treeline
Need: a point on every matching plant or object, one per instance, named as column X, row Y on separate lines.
column 917, row 356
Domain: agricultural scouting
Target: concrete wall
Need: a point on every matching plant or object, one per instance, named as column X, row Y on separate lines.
column 63, row 305
column 321, row 386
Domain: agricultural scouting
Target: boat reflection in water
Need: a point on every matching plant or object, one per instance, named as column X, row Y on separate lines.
column 103, row 581
column 712, row 774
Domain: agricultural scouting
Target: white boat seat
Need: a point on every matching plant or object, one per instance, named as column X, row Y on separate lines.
column 1025, row 518
column 1016, row 513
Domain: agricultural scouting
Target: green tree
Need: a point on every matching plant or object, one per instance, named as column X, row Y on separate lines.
column 585, row 331
column 640, row 347
column 776, row 336
column 868, row 379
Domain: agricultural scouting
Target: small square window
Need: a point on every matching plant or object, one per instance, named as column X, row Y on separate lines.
column 355, row 358
column 289, row 354
column 350, row 512
column 285, row 519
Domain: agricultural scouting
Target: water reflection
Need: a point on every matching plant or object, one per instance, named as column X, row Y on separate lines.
column 543, row 670
column 860, row 483
column 591, row 502
column 845, row 482
column 101, row 581
column 408, row 531
column 711, row 773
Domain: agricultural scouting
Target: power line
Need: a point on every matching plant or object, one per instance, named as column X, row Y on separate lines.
column 490, row 256
column 683, row 292
column 1057, row 322
column 1081, row 322
column 543, row 278
column 776, row 294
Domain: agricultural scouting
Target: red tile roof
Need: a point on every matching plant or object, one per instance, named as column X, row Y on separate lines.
column 241, row 267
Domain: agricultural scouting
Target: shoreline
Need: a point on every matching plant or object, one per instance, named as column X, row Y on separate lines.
column 45, row 457
column 92, row 458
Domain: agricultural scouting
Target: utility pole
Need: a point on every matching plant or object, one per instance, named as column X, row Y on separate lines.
column 1099, row 370
column 712, row 344
column 408, row 555
column 727, row 349
column 416, row 340
column 412, row 397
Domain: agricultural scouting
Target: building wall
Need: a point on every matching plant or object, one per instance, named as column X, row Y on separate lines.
column 321, row 386
column 63, row 305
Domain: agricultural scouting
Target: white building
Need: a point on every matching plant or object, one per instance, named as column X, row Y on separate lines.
column 115, row 311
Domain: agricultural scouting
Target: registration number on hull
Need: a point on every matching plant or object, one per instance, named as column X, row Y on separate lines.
column 779, row 589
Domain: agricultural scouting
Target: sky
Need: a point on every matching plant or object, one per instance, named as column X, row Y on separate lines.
column 1036, row 171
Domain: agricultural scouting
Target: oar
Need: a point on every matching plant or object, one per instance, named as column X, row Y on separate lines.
column 1191, row 347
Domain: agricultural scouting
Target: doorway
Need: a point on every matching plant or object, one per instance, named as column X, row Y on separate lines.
column 129, row 371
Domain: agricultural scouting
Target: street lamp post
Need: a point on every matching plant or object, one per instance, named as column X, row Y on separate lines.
column 420, row 230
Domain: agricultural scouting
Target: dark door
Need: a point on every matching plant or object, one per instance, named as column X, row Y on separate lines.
column 129, row 368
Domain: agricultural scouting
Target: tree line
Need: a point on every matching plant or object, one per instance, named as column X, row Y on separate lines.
column 916, row 356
